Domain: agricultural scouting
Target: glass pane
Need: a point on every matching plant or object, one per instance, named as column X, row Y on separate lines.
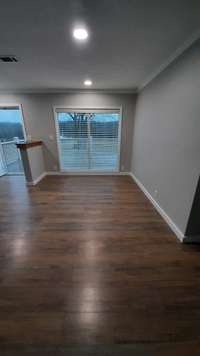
column 88, row 141
column 2, row 164
column 10, row 125
column 104, row 141
column 73, row 141
column 11, row 131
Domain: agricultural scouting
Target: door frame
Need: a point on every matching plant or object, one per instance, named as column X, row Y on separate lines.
column 89, row 109
column 19, row 106
column 11, row 105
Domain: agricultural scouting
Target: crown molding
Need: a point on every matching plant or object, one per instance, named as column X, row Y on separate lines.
column 180, row 50
column 68, row 91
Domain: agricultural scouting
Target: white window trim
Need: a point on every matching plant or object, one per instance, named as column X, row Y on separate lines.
column 11, row 105
column 89, row 109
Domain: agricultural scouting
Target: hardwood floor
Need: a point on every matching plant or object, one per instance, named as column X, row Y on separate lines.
column 88, row 267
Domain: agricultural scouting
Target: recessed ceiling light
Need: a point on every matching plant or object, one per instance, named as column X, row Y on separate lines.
column 88, row 82
column 80, row 33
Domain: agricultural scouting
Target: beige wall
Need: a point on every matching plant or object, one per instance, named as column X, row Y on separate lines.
column 36, row 162
column 39, row 119
column 166, row 143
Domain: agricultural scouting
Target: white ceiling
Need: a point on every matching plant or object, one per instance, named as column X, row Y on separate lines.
column 129, row 41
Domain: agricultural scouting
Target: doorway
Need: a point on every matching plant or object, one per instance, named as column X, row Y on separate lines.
column 88, row 140
column 12, row 131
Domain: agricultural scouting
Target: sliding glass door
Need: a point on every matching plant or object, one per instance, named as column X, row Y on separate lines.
column 11, row 132
column 88, row 140
column 2, row 162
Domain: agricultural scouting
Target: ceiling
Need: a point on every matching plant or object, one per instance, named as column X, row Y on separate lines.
column 129, row 40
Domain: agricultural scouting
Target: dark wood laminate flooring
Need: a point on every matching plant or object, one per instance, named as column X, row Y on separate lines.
column 88, row 267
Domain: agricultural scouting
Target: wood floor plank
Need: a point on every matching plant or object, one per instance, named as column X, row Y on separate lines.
column 88, row 267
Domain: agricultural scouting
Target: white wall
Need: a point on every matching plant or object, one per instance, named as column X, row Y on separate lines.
column 39, row 120
column 166, row 143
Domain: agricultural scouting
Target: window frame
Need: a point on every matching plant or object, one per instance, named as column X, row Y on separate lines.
column 86, row 109
column 19, row 106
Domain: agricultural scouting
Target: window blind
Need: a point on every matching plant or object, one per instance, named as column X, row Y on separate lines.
column 88, row 140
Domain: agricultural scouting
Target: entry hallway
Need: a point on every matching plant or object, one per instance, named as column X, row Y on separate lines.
column 88, row 267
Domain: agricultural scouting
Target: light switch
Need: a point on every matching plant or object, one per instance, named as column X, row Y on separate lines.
column 51, row 138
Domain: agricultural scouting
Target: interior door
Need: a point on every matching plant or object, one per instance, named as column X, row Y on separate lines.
column 2, row 163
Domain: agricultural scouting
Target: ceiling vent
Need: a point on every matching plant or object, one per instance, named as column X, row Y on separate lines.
column 8, row 59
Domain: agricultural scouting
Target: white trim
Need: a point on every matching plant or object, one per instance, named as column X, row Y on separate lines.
column 119, row 137
column 37, row 180
column 57, row 137
column 23, row 121
column 19, row 106
column 168, row 220
column 179, row 51
column 69, row 91
column 87, row 108
column 11, row 105
column 76, row 108
column 160, row 210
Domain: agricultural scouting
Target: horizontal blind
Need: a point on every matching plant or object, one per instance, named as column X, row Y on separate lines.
column 87, row 111
column 73, row 137
column 89, row 140
column 104, row 141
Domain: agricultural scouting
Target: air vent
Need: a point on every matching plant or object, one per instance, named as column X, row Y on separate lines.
column 8, row 59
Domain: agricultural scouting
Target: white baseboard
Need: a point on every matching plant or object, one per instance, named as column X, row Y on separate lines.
column 60, row 173
column 164, row 215
column 160, row 210
column 37, row 180
column 56, row 173
column 168, row 220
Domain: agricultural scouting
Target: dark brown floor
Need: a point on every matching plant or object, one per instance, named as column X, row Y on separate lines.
column 88, row 267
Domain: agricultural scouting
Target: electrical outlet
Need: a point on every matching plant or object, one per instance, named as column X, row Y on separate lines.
column 122, row 167
column 155, row 192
